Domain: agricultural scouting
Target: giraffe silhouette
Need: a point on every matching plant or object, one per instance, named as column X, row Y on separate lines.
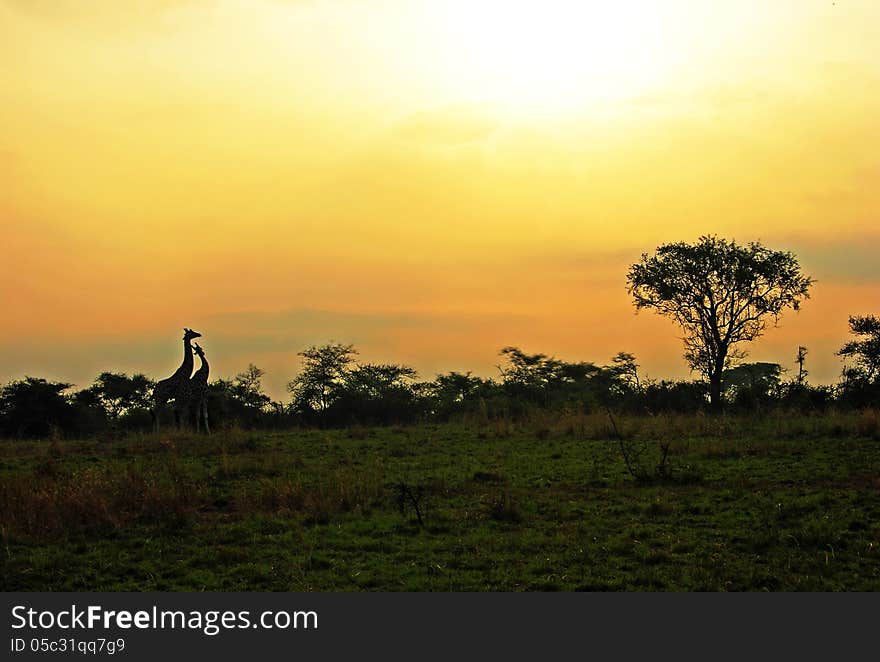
column 198, row 385
column 177, row 386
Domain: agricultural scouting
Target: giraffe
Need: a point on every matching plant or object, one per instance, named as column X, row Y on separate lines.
column 198, row 385
column 176, row 387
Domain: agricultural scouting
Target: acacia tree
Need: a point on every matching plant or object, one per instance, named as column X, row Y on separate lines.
column 247, row 388
column 322, row 376
column 721, row 294
column 625, row 370
column 118, row 393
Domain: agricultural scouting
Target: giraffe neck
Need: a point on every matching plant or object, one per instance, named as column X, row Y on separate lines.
column 186, row 367
column 203, row 369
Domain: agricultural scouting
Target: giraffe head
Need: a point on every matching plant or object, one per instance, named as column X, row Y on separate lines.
column 198, row 350
column 189, row 334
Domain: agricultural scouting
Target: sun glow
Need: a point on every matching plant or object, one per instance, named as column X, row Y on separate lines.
column 429, row 179
column 552, row 55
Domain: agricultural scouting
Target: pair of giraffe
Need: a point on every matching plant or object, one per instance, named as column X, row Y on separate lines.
column 184, row 387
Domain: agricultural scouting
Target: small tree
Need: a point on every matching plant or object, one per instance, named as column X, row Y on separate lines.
column 322, row 376
column 721, row 294
column 454, row 387
column 375, row 380
column 752, row 384
column 34, row 407
column 119, row 393
column 542, row 380
column 864, row 352
column 800, row 359
column 376, row 393
column 625, row 370
column 529, row 372
column 247, row 388
column 455, row 393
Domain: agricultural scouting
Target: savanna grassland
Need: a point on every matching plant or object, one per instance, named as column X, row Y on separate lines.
column 764, row 503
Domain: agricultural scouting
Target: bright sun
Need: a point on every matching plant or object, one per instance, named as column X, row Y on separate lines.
column 553, row 55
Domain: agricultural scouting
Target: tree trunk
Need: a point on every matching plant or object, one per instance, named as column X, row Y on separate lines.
column 715, row 402
column 715, row 392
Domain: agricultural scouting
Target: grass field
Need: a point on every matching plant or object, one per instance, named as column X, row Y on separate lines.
column 780, row 503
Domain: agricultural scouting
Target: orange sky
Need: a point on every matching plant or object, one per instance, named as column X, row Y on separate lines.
column 428, row 180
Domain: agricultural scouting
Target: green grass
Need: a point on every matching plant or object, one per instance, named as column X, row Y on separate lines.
column 751, row 504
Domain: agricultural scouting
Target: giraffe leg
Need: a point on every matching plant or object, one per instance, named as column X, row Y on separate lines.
column 205, row 410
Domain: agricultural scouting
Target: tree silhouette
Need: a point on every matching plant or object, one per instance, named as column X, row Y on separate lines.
column 721, row 294
column 528, row 375
column 32, row 407
column 864, row 352
column 751, row 385
column 800, row 360
column 373, row 380
column 376, row 393
column 456, row 392
column 625, row 369
column 247, row 387
column 455, row 387
column 322, row 376
column 118, row 393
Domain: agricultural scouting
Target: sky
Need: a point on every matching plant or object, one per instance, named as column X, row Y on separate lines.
column 430, row 181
